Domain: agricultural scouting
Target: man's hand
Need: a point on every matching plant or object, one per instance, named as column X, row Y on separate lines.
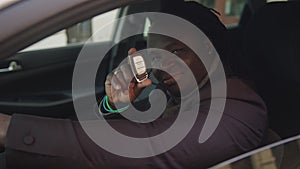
column 120, row 85
column 4, row 123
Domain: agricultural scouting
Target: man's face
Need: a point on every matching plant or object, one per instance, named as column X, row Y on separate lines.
column 171, row 65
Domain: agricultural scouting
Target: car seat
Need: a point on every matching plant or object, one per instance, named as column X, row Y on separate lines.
column 271, row 58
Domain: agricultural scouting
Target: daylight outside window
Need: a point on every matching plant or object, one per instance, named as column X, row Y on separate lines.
column 230, row 10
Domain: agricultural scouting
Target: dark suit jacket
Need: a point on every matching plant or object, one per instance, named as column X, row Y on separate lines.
column 35, row 142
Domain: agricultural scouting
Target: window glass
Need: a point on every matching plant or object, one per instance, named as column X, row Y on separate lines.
column 283, row 154
column 234, row 7
column 147, row 26
column 276, row 0
column 230, row 10
column 97, row 23
column 80, row 33
column 207, row 3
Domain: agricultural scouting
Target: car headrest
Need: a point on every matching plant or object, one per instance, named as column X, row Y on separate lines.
column 272, row 43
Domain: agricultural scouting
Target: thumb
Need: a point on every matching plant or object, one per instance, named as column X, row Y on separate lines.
column 144, row 83
column 131, row 51
column 136, row 88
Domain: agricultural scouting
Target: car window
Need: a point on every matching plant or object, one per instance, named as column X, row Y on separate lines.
column 276, row 0
column 283, row 154
column 79, row 33
column 230, row 10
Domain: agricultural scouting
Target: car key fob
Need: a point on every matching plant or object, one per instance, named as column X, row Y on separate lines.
column 138, row 67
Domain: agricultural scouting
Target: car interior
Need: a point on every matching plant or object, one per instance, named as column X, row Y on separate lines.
column 271, row 58
column 264, row 51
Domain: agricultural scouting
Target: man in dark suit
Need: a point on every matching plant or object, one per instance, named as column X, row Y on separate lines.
column 34, row 142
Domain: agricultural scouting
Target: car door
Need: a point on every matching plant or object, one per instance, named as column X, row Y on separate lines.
column 38, row 79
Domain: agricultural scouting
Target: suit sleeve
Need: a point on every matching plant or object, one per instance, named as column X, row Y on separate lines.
column 35, row 142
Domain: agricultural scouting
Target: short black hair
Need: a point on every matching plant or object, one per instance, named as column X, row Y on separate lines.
column 206, row 20
column 202, row 17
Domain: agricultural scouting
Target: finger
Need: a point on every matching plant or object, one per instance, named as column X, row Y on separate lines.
column 132, row 85
column 114, row 96
column 144, row 83
column 132, row 92
column 108, row 87
column 119, row 96
column 132, row 51
column 119, row 76
column 127, row 73
column 108, row 79
column 125, row 98
column 115, row 83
